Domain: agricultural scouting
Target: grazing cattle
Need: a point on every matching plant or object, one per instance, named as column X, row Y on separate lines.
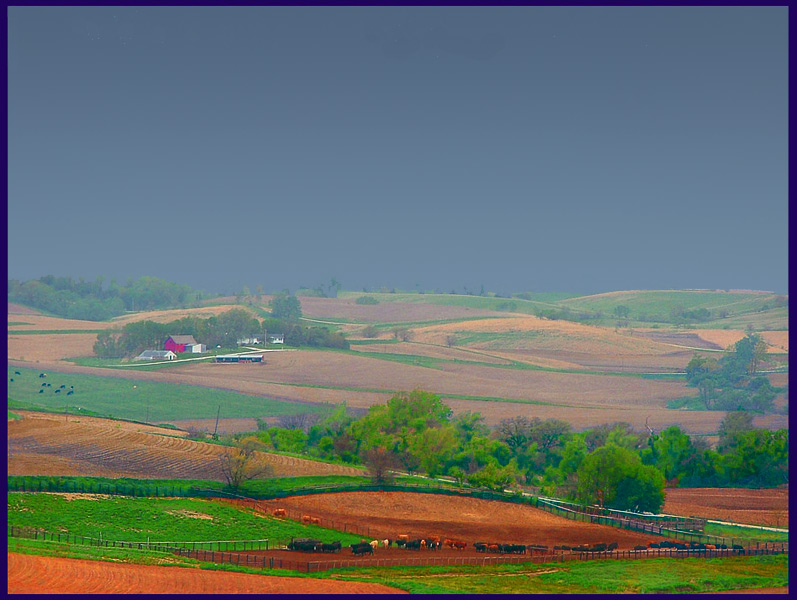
column 44, row 385
column 362, row 548
column 280, row 512
column 305, row 545
column 414, row 545
column 306, row 519
column 62, row 386
column 493, row 548
column 17, row 373
column 42, row 375
column 70, row 392
column 385, row 543
column 374, row 544
column 480, row 547
column 613, row 546
column 710, row 547
column 458, row 545
column 57, row 391
column 401, row 543
column 12, row 379
column 41, row 391
column 333, row 547
column 423, row 544
column 315, row 521
column 404, row 537
column 640, row 547
column 448, row 543
column 598, row 548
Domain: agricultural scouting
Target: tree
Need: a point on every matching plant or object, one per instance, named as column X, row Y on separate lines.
column 242, row 463
column 734, row 425
column 285, row 306
column 622, row 311
column 379, row 463
column 616, row 477
column 451, row 340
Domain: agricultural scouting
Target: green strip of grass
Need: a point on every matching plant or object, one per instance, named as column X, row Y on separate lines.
column 135, row 400
column 746, row 533
column 648, row 576
column 156, row 519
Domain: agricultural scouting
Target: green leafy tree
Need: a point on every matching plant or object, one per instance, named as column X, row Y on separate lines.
column 285, row 306
column 602, row 471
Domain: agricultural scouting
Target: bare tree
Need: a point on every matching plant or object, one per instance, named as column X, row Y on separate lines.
column 242, row 463
column 451, row 340
column 379, row 462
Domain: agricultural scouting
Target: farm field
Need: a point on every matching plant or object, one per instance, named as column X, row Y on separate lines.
column 769, row 507
column 46, row 444
column 29, row 574
column 388, row 514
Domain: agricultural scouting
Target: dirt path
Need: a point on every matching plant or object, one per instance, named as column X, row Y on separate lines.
column 51, row 575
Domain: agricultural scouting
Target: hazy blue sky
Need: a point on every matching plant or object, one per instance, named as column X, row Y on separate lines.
column 580, row 149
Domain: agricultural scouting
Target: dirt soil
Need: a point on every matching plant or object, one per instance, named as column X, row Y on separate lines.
column 29, row 574
column 768, row 507
column 389, row 514
column 47, row 444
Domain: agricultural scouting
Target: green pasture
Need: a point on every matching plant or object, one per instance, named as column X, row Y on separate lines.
column 135, row 400
column 645, row 576
column 156, row 519
column 746, row 533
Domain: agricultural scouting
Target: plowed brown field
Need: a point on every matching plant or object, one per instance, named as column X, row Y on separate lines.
column 389, row 514
column 386, row 312
column 50, row 575
column 768, row 507
column 42, row 444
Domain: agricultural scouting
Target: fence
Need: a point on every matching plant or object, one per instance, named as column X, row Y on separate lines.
column 312, row 566
column 220, row 545
column 674, row 522
column 634, row 524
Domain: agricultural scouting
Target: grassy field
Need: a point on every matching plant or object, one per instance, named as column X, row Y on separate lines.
column 747, row 533
column 155, row 519
column 128, row 399
column 648, row 576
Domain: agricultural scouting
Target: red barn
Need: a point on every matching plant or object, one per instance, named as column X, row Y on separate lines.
column 177, row 343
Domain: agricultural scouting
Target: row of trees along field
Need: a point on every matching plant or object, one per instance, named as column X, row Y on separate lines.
column 93, row 301
column 416, row 432
column 222, row 330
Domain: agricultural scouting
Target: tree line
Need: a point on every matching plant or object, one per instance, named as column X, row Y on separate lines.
column 223, row 330
column 94, row 301
column 610, row 464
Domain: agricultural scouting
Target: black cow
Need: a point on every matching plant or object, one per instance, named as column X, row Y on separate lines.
column 414, row 544
column 63, row 386
column 480, row 546
column 362, row 548
column 305, row 545
column 70, row 392
column 41, row 391
column 57, row 391
column 613, row 546
column 333, row 547
column 640, row 547
column 44, row 385
column 12, row 379
column 401, row 543
column 17, row 373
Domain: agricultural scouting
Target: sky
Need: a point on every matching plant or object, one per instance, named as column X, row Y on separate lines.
column 569, row 149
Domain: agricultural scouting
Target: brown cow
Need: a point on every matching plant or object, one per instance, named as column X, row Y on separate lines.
column 423, row 544
column 458, row 545
column 493, row 547
column 280, row 512
column 711, row 547
column 306, row 519
column 406, row 538
column 315, row 521
column 449, row 543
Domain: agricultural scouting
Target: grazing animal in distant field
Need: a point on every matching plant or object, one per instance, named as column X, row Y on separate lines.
column 306, row 519
column 459, row 545
column 423, row 544
column 315, row 521
column 12, row 379
column 41, row 391
column 63, row 386
column 280, row 512
column 362, row 548
column 385, row 543
column 57, row 391
column 70, row 392
column 17, row 373
column 374, row 544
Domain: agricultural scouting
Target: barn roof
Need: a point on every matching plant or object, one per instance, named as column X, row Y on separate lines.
column 155, row 354
column 183, row 339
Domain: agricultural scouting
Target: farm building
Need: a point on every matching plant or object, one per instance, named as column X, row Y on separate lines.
column 177, row 343
column 196, row 348
column 156, row 355
column 278, row 338
column 249, row 340
column 237, row 358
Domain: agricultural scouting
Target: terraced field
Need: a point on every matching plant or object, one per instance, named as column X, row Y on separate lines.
column 43, row 444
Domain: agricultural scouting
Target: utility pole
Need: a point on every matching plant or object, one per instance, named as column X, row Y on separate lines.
column 215, row 436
